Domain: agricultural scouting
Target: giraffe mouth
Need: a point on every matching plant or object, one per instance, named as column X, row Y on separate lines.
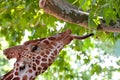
column 67, row 37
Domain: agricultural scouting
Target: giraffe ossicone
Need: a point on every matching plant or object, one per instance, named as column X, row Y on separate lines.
column 35, row 56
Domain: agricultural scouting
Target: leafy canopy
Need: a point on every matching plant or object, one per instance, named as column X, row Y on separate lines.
column 81, row 59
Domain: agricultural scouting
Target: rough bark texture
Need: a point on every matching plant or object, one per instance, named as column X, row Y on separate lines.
column 69, row 13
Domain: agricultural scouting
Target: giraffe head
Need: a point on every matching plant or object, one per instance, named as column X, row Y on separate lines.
column 36, row 46
column 35, row 56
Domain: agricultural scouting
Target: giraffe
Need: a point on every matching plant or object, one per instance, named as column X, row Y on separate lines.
column 35, row 56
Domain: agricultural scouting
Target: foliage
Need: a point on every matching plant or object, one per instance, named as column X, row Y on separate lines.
column 79, row 60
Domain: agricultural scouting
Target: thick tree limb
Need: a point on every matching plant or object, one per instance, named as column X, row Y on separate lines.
column 69, row 13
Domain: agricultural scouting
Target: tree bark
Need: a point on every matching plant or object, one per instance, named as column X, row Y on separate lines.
column 65, row 11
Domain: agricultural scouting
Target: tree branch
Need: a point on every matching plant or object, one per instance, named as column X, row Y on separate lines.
column 69, row 13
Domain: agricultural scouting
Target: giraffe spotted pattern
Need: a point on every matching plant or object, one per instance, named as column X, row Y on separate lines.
column 35, row 56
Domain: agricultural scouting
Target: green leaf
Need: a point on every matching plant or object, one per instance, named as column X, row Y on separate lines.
column 96, row 69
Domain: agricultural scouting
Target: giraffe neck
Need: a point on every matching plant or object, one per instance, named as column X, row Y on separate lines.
column 8, row 76
column 20, row 72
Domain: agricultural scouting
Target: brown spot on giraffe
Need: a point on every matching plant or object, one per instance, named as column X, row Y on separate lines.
column 47, row 51
column 17, row 78
column 46, row 42
column 44, row 59
column 43, row 64
column 37, row 62
column 24, row 77
column 45, row 56
column 51, row 38
column 34, row 68
column 42, row 54
column 55, row 44
column 16, row 73
column 55, row 52
column 30, row 71
column 39, row 68
column 38, row 57
column 35, row 56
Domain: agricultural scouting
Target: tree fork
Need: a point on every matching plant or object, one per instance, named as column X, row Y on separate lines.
column 65, row 11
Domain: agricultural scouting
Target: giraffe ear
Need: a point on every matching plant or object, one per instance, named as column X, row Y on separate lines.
column 34, row 47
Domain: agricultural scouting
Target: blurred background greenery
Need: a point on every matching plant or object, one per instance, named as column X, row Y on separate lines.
column 95, row 58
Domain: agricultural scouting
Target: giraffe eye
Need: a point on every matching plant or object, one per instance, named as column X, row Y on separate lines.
column 34, row 48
